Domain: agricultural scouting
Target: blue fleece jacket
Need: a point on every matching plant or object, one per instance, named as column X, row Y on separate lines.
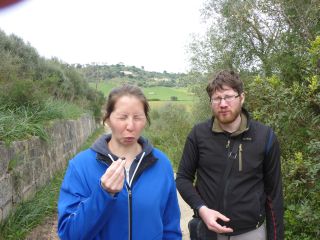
column 87, row 211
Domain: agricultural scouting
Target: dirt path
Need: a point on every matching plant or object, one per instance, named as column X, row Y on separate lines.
column 45, row 231
column 186, row 215
column 48, row 230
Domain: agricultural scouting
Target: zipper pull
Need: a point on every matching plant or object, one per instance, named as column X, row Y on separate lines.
column 228, row 144
column 129, row 193
column 240, row 157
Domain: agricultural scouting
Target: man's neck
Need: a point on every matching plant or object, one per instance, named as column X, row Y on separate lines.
column 232, row 127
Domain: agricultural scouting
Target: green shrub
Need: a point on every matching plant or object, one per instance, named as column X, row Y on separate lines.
column 21, row 93
column 201, row 107
column 292, row 112
column 174, row 98
column 168, row 131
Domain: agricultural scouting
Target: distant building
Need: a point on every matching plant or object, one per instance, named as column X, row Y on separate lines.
column 128, row 73
column 161, row 79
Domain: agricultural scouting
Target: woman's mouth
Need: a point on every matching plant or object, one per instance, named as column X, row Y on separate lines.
column 129, row 139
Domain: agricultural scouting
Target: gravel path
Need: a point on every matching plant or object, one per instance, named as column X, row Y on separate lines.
column 186, row 215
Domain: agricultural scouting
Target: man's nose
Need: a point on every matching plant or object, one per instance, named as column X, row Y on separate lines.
column 223, row 102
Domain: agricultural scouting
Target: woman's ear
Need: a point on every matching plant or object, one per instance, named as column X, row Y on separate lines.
column 107, row 121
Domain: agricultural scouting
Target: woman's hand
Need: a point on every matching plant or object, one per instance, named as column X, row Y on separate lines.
column 113, row 179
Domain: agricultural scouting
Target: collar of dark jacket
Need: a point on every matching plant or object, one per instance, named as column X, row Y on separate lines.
column 243, row 125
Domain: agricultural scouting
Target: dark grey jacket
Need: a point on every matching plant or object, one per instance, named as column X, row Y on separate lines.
column 253, row 189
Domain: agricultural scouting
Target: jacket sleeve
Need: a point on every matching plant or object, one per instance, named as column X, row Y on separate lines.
column 171, row 217
column 273, row 190
column 82, row 212
column 187, row 170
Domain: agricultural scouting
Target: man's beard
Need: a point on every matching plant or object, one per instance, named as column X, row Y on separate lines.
column 230, row 118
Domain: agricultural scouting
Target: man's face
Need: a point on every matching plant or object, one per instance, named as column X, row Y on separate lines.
column 226, row 104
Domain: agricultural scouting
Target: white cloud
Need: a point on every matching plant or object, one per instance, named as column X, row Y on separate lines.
column 149, row 33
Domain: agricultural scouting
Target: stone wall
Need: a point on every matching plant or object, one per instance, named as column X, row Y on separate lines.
column 30, row 164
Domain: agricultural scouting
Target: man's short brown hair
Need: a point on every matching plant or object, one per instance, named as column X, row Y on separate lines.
column 225, row 78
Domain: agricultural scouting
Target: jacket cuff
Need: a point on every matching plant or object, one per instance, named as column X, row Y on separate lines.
column 196, row 210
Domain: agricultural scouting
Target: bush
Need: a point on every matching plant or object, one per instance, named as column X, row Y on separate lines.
column 201, row 107
column 292, row 112
column 170, row 126
column 21, row 93
column 174, row 98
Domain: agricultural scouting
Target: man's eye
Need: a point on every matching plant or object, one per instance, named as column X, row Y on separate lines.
column 228, row 97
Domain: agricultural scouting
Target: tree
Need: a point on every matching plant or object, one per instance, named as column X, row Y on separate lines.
column 269, row 37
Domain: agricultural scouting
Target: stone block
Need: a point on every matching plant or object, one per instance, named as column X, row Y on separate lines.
column 28, row 192
column 6, row 189
column 4, row 159
column 6, row 209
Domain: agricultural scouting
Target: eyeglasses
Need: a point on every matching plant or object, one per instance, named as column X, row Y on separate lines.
column 227, row 98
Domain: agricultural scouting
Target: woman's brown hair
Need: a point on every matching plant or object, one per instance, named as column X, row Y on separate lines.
column 125, row 90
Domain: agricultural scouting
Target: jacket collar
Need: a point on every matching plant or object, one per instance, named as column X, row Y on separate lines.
column 244, row 125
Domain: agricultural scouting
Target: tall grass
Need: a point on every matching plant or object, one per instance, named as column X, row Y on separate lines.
column 33, row 212
column 25, row 121
column 170, row 125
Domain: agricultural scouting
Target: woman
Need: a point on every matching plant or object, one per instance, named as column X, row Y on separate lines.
column 121, row 187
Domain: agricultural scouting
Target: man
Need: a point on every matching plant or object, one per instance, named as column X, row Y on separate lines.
column 236, row 163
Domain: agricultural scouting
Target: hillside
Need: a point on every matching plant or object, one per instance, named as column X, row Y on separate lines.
column 97, row 73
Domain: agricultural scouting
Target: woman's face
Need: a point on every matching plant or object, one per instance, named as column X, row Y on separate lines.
column 127, row 120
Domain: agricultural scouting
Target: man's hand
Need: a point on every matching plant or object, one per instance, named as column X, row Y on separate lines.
column 210, row 218
column 113, row 179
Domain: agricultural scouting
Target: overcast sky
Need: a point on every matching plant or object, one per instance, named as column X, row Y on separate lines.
column 149, row 33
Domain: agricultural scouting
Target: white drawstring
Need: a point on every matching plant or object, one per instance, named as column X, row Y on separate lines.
column 110, row 157
column 136, row 168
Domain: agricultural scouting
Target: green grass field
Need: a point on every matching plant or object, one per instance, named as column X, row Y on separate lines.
column 152, row 93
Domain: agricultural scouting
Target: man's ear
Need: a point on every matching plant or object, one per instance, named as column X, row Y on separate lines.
column 242, row 97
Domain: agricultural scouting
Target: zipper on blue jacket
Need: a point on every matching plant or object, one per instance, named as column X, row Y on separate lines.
column 129, row 212
column 128, row 187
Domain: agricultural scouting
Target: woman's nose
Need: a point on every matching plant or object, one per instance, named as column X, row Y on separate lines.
column 130, row 124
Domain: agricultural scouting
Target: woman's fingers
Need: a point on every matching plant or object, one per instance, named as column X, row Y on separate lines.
column 112, row 180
